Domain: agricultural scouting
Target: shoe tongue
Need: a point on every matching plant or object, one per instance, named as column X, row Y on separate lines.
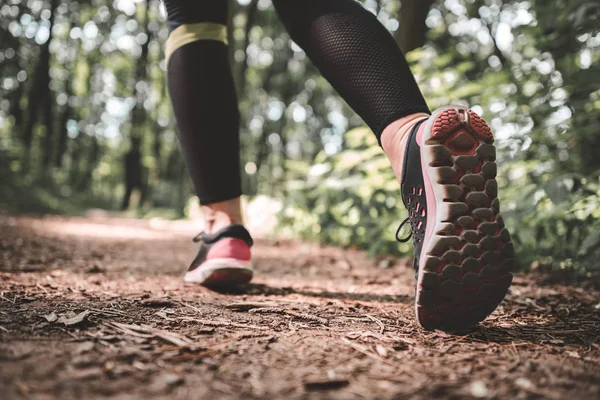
column 231, row 231
column 412, row 145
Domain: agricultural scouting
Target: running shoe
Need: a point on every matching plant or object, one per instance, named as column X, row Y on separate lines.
column 463, row 252
column 224, row 258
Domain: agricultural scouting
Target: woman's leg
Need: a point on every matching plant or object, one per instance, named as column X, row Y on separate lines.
column 445, row 163
column 205, row 103
column 358, row 56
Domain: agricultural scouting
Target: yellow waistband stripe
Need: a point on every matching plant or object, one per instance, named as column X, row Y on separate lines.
column 189, row 33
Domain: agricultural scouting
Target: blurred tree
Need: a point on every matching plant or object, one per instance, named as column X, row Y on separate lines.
column 412, row 30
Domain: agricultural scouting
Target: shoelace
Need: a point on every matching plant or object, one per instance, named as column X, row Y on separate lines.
column 198, row 238
column 406, row 239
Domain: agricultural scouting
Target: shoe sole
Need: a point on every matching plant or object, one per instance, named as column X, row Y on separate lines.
column 467, row 257
column 221, row 272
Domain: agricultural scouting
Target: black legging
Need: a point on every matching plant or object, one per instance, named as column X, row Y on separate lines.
column 353, row 51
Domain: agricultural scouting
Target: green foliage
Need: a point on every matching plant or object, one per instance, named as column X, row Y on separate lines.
column 554, row 220
column 351, row 198
column 20, row 196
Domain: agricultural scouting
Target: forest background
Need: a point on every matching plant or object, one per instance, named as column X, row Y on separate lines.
column 84, row 105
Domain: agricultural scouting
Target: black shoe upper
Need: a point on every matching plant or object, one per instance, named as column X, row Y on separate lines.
column 208, row 240
column 413, row 193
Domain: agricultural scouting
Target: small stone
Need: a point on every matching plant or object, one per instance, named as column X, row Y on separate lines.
column 479, row 389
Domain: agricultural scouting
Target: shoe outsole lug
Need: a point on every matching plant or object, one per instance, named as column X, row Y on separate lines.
column 483, row 213
column 431, row 263
column 470, row 264
column 489, row 170
column 443, row 243
column 504, row 235
column 488, row 228
column 452, row 192
column 470, row 279
column 451, row 271
column 430, row 280
column 507, row 250
column 449, row 288
column 446, row 230
column 491, row 188
column 487, row 152
column 495, row 205
column 427, row 299
column 477, row 199
column 488, row 243
column 441, row 153
column 467, row 261
column 452, row 256
column 500, row 220
column 470, row 249
column 470, row 236
column 445, row 173
column 473, row 181
column 465, row 221
column 453, row 211
column 466, row 162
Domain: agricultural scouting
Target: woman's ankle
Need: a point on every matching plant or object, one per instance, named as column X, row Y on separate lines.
column 220, row 215
column 394, row 139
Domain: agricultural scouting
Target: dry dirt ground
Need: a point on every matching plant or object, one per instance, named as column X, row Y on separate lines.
column 95, row 308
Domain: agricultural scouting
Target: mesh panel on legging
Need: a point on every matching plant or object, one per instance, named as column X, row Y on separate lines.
column 357, row 55
column 205, row 103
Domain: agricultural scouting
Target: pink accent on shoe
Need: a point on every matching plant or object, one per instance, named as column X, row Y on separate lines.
column 419, row 137
column 230, row 248
column 429, row 194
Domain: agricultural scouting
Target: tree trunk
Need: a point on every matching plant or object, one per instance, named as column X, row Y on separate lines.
column 8, row 40
column 40, row 93
column 68, row 112
column 91, row 160
column 231, row 48
column 61, row 146
column 412, row 29
column 133, row 160
column 243, row 66
column 48, row 151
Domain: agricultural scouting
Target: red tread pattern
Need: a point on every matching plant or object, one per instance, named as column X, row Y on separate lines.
column 480, row 126
column 446, row 122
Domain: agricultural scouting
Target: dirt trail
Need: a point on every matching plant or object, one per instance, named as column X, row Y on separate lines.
column 96, row 308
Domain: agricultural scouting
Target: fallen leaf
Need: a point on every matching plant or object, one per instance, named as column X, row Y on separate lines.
column 83, row 374
column 524, row 383
column 84, row 347
column 73, row 320
column 573, row 354
column 479, row 389
column 51, row 317
column 382, row 351
column 166, row 381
